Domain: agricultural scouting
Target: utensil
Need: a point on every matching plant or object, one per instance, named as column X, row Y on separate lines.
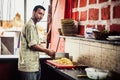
column 81, row 75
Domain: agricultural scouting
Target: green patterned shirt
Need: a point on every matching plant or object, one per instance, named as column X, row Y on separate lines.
column 29, row 59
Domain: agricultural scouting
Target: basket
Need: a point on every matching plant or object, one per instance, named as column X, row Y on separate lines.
column 67, row 21
column 68, row 27
column 68, row 30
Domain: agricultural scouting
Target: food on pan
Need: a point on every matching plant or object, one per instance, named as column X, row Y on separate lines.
column 63, row 61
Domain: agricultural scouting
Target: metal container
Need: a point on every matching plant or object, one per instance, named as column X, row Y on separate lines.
column 61, row 55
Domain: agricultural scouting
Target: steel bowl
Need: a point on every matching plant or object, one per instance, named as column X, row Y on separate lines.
column 98, row 74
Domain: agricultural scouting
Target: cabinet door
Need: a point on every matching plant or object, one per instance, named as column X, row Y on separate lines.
column 7, row 45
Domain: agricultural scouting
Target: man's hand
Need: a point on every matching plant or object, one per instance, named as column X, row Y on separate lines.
column 51, row 53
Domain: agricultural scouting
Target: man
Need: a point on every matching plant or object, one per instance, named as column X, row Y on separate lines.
column 28, row 63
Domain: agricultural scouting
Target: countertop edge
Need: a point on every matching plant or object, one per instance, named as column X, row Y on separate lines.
column 17, row 56
column 92, row 40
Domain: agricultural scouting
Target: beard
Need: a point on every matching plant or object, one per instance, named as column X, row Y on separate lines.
column 37, row 19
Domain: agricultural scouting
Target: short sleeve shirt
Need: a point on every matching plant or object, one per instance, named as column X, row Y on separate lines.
column 29, row 59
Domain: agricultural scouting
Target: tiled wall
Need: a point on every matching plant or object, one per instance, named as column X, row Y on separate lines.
column 100, row 55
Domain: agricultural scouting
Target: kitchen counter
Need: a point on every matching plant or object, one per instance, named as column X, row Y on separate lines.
column 93, row 40
column 69, row 74
column 16, row 56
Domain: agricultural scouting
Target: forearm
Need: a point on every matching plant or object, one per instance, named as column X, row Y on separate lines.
column 39, row 48
column 42, row 49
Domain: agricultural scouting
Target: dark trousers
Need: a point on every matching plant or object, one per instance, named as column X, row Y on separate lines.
column 30, row 75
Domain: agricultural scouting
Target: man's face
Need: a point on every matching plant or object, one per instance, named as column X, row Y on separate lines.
column 39, row 14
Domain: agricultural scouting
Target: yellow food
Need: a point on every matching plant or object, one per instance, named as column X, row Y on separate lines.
column 63, row 61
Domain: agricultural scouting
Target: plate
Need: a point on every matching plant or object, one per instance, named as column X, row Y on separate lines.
column 113, row 39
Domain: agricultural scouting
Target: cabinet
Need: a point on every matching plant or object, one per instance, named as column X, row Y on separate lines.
column 9, row 43
column 8, row 69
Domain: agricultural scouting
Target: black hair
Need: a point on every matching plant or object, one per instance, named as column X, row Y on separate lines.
column 38, row 6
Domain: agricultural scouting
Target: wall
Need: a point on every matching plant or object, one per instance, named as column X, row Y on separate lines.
column 95, row 54
column 101, row 14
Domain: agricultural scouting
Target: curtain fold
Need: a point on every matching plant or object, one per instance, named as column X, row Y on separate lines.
column 68, row 9
column 60, row 9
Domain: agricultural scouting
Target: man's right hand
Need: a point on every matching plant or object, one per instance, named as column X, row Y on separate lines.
column 51, row 53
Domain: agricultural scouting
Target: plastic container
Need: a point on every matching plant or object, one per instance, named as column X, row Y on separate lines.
column 89, row 33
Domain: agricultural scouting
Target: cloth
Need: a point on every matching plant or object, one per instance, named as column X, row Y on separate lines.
column 30, row 75
column 29, row 59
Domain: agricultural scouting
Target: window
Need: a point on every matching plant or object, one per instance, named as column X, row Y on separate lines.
column 42, row 25
column 8, row 11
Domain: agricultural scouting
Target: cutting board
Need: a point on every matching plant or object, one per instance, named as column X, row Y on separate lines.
column 59, row 65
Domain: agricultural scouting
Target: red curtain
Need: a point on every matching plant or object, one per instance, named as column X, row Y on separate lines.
column 68, row 9
column 60, row 9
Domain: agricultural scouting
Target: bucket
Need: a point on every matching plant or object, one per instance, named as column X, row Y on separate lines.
column 68, row 30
